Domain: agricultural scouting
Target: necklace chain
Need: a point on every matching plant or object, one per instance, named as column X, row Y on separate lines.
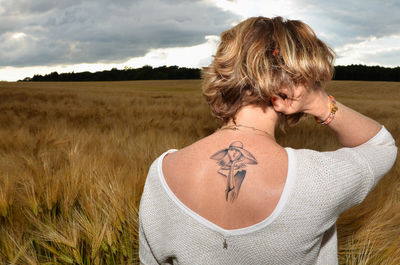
column 237, row 128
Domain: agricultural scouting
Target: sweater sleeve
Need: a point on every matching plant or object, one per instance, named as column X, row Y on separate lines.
column 357, row 170
column 379, row 154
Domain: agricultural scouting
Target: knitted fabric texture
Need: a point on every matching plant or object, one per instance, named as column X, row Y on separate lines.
column 301, row 230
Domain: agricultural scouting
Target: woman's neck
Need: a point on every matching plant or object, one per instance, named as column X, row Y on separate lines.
column 257, row 118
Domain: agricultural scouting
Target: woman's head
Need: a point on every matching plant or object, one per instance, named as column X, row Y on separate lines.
column 260, row 56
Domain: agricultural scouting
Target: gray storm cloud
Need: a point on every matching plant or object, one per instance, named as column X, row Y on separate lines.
column 48, row 32
column 352, row 21
column 44, row 32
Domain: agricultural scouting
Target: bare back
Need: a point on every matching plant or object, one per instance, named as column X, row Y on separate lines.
column 232, row 179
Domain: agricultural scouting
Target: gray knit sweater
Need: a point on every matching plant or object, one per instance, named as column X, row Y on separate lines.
column 300, row 230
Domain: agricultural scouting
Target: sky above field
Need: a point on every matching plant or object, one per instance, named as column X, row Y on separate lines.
column 42, row 36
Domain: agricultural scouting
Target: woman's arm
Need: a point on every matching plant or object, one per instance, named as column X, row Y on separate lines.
column 373, row 151
column 351, row 127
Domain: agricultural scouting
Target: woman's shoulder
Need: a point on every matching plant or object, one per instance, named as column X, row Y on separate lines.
column 343, row 161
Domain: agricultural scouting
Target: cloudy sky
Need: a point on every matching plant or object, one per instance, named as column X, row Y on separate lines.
column 42, row 36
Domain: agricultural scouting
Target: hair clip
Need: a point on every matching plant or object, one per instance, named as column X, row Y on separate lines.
column 275, row 52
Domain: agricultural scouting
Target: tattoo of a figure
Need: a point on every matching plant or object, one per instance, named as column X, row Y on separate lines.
column 232, row 162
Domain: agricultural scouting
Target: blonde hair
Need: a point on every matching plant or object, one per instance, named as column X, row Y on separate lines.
column 258, row 57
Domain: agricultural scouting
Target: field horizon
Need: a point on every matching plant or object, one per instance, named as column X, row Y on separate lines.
column 74, row 157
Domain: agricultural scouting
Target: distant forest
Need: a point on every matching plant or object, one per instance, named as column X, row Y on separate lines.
column 350, row 72
column 143, row 73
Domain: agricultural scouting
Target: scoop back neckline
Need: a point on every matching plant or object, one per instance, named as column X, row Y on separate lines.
column 289, row 183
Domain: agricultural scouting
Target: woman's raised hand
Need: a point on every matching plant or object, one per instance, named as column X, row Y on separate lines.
column 301, row 99
column 351, row 127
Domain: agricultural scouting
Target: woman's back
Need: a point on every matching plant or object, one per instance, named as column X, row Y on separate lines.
column 237, row 197
column 195, row 179
column 177, row 227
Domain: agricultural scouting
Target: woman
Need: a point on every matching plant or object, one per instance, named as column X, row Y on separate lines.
column 238, row 197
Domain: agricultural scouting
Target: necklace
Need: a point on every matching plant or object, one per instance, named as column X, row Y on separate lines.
column 238, row 126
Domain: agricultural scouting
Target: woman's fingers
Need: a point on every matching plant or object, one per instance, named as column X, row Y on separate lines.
column 284, row 105
column 290, row 101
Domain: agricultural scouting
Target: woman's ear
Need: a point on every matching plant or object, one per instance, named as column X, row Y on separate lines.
column 278, row 103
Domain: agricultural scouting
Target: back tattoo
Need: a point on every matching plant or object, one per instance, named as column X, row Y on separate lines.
column 233, row 161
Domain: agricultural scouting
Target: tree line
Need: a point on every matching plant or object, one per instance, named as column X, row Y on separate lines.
column 367, row 73
column 143, row 73
column 349, row 72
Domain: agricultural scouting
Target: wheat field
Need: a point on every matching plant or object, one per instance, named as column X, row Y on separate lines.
column 74, row 157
